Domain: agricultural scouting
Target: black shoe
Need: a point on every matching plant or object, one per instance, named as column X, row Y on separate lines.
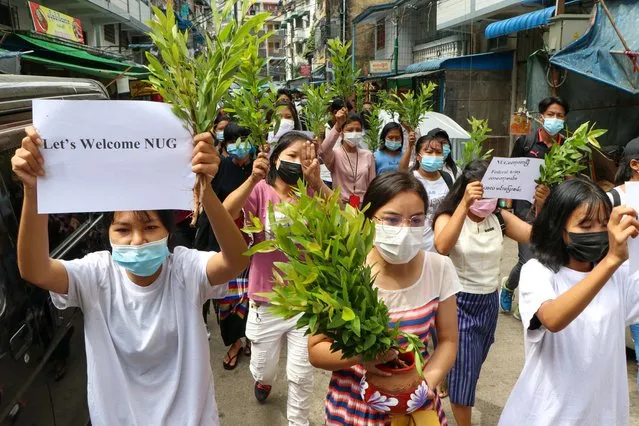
column 262, row 391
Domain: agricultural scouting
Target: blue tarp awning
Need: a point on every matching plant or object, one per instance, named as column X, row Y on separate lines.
column 527, row 21
column 481, row 61
column 593, row 55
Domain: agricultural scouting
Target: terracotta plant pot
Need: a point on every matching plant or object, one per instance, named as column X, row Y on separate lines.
column 402, row 393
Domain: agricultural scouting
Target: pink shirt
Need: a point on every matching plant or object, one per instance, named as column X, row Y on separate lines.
column 261, row 271
column 352, row 172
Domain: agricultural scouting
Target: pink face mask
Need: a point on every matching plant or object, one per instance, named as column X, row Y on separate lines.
column 484, row 207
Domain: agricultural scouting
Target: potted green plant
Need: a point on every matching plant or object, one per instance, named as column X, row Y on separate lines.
column 327, row 280
column 195, row 86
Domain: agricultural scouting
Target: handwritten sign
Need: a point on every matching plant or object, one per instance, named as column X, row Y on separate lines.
column 511, row 178
column 112, row 155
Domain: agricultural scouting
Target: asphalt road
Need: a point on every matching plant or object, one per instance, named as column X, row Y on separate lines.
column 237, row 406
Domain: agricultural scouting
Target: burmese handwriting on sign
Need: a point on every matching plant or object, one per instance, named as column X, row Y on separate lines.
column 512, row 178
column 112, row 155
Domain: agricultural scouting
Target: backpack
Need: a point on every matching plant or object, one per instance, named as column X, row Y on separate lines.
column 447, row 178
column 529, row 141
column 616, row 197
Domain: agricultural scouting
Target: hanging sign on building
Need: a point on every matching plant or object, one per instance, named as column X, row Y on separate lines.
column 51, row 22
column 379, row 66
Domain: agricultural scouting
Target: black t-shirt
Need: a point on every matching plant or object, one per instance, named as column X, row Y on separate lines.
column 229, row 177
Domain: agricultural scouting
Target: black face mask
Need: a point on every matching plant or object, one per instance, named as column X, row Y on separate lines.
column 588, row 246
column 289, row 172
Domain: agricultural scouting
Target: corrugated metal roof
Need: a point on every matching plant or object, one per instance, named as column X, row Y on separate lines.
column 523, row 22
column 484, row 61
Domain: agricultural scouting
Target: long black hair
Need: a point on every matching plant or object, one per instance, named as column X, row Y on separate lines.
column 547, row 240
column 473, row 172
column 387, row 128
column 418, row 147
column 287, row 139
column 388, row 185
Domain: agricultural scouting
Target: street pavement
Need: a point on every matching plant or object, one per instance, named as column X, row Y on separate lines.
column 237, row 405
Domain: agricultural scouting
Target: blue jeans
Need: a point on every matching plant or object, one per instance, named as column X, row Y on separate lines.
column 634, row 330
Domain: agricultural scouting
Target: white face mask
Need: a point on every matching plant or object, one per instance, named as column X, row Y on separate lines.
column 398, row 244
column 353, row 138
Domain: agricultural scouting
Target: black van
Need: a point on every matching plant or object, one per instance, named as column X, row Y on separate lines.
column 42, row 356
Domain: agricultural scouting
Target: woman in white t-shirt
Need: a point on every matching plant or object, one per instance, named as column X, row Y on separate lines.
column 470, row 229
column 576, row 298
column 428, row 170
column 148, row 359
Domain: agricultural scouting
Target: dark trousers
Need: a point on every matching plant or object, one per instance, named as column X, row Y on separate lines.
column 525, row 254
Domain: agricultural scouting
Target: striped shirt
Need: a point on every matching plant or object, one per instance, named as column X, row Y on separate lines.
column 415, row 308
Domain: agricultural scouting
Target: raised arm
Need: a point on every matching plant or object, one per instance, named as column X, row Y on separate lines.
column 33, row 237
column 236, row 200
column 405, row 160
column 516, row 228
column 227, row 264
column 326, row 148
column 557, row 314
column 311, row 171
column 447, row 228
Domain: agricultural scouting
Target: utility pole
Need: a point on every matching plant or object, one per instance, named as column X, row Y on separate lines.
column 396, row 47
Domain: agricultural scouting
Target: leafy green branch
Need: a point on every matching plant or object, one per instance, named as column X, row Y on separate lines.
column 375, row 124
column 326, row 278
column 318, row 99
column 411, row 106
column 345, row 77
column 569, row 158
column 474, row 148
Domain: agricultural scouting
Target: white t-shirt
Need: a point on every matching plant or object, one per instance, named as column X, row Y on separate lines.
column 477, row 255
column 436, row 190
column 576, row 377
column 148, row 357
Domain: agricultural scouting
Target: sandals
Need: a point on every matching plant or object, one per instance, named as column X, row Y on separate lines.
column 247, row 348
column 230, row 365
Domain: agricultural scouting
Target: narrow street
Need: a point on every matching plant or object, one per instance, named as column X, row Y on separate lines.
column 237, row 406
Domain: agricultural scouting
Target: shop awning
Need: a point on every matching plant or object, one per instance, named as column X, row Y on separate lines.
column 480, row 61
column 96, row 72
column 412, row 75
column 600, row 55
column 43, row 48
column 527, row 21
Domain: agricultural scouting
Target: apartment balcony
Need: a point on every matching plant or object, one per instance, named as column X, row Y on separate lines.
column 302, row 34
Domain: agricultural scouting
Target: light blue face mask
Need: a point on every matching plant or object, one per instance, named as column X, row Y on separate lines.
column 445, row 151
column 392, row 145
column 143, row 260
column 219, row 136
column 553, row 125
column 432, row 164
column 239, row 150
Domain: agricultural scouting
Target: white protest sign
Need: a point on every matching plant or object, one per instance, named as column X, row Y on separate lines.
column 512, row 178
column 632, row 200
column 112, row 155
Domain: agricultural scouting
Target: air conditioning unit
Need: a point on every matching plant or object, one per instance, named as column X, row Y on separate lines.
column 564, row 29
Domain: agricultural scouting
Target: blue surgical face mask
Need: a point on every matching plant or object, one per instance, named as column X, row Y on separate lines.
column 553, row 125
column 239, row 150
column 219, row 136
column 143, row 260
column 392, row 145
column 432, row 164
column 446, row 151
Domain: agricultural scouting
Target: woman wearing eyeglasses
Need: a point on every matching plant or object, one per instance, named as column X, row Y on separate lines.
column 470, row 230
column 417, row 286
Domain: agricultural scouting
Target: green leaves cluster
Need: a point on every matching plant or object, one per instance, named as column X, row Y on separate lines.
column 345, row 77
column 375, row 128
column 196, row 86
column 326, row 278
column 473, row 148
column 569, row 158
column 256, row 96
column 318, row 99
column 411, row 106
